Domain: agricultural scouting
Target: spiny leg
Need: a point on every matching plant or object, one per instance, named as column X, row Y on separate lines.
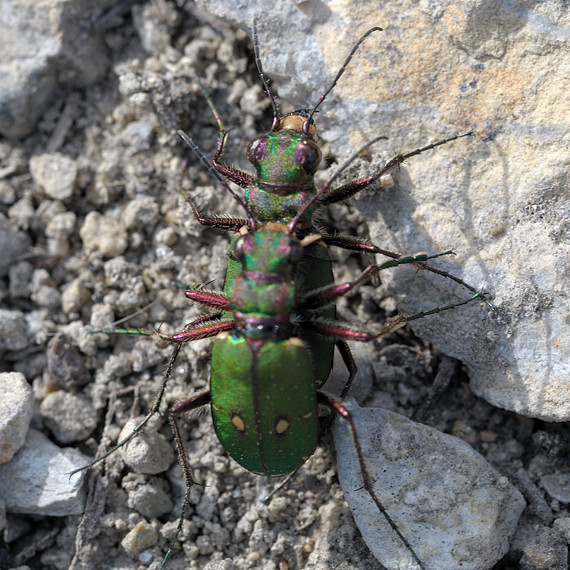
column 339, row 408
column 327, row 295
column 251, row 222
column 206, row 331
column 324, row 296
column 340, row 331
column 215, row 221
column 197, row 401
column 420, row 259
column 348, row 190
column 350, row 364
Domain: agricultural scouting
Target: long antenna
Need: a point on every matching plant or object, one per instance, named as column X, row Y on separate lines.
column 307, row 123
column 264, row 78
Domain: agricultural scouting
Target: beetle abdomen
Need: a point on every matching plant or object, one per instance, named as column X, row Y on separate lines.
column 264, row 403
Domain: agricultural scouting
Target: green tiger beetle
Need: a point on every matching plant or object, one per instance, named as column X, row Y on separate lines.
column 274, row 322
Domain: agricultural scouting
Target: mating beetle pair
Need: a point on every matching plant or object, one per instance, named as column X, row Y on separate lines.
column 274, row 322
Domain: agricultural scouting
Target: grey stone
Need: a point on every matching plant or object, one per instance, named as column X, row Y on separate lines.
column 44, row 45
column 436, row 489
column 44, row 291
column 563, row 526
column 16, row 406
column 65, row 364
column 37, row 479
column 70, row 417
column 148, row 452
column 61, row 226
column 12, row 330
column 55, row 173
column 13, row 244
column 20, row 279
column 557, row 485
column 103, row 234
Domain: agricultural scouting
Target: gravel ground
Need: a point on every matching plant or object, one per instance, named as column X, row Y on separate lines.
column 117, row 245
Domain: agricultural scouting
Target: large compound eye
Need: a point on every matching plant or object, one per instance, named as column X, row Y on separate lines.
column 238, row 249
column 308, row 156
column 257, row 150
column 242, row 246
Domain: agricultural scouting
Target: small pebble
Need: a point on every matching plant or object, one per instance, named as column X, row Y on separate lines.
column 20, row 279
column 55, row 173
column 137, row 135
column 44, row 291
column 488, row 436
column 204, row 544
column 165, row 236
column 118, row 272
column 557, row 486
column 22, row 213
column 141, row 537
column 7, row 193
column 146, row 497
column 563, row 525
column 140, row 213
column 465, row 432
column 103, row 234
column 70, row 417
column 13, row 244
column 12, row 330
column 61, row 226
column 148, row 452
column 65, row 364
column 74, row 296
column 547, row 551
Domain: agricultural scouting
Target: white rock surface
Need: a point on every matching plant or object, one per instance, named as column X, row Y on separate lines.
column 452, row 507
column 500, row 200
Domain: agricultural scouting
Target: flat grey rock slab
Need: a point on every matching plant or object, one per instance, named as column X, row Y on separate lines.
column 37, row 479
column 451, row 506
